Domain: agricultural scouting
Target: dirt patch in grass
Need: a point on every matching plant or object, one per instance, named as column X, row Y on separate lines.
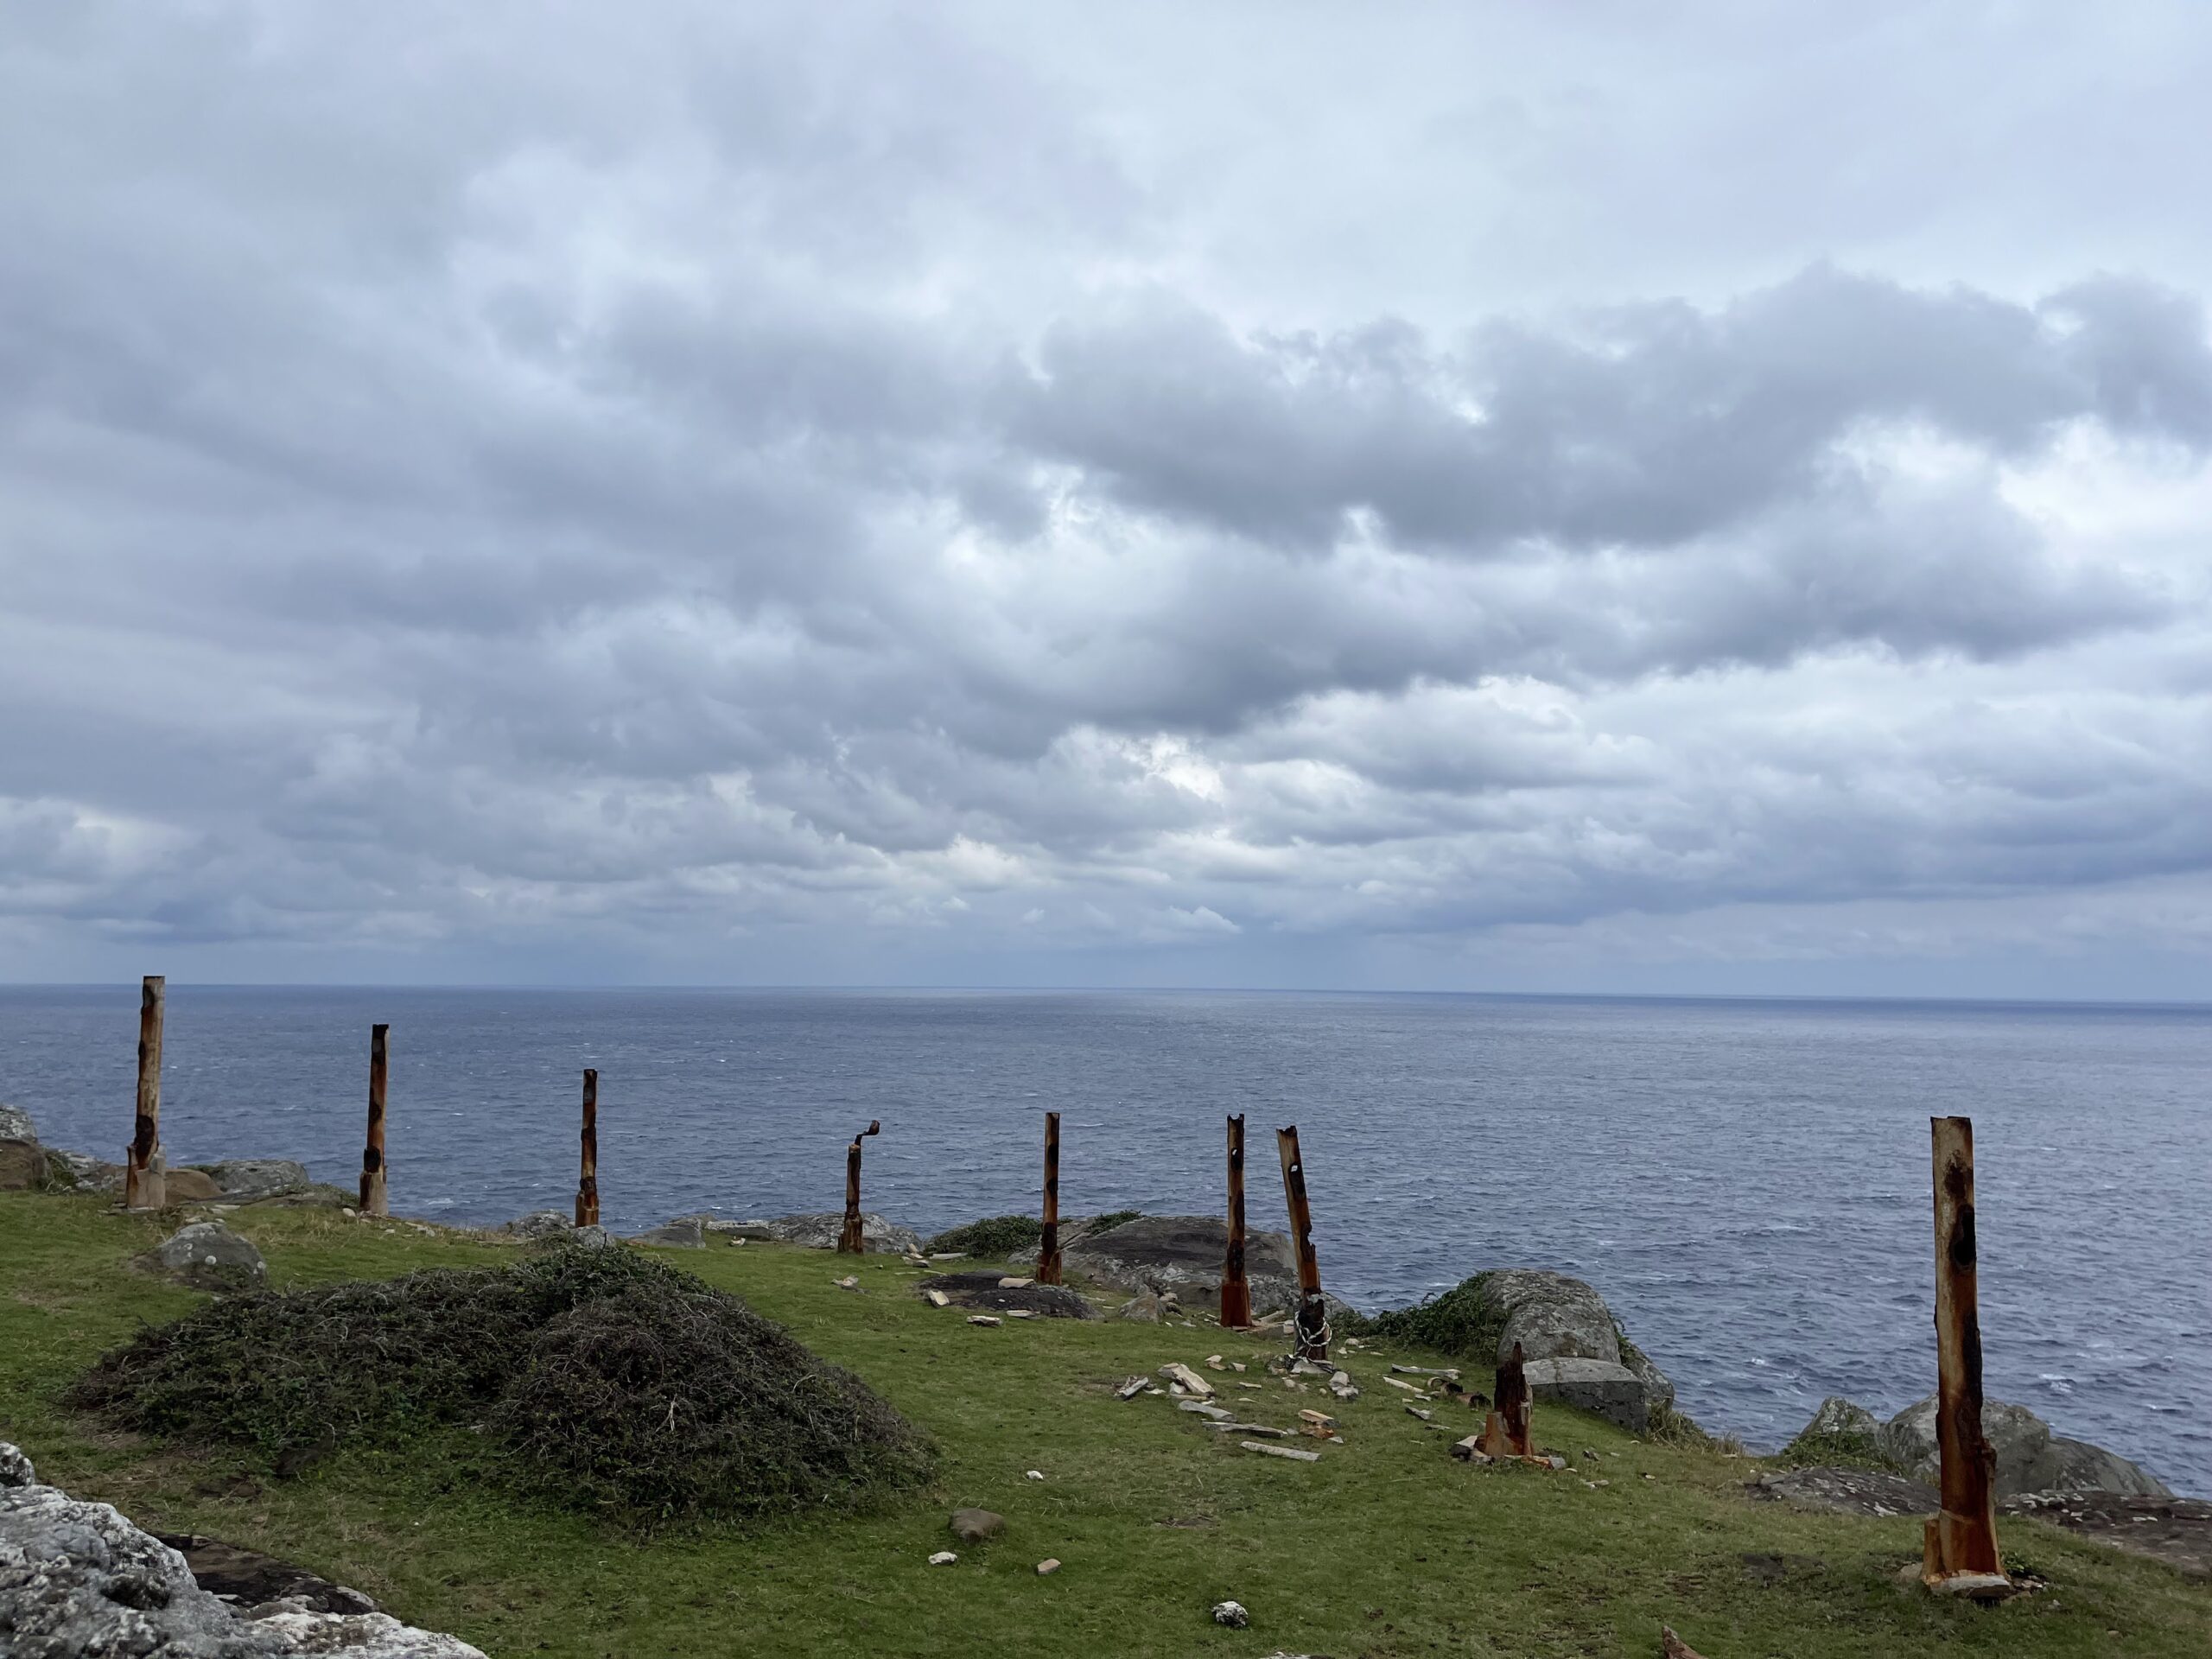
column 602, row 1380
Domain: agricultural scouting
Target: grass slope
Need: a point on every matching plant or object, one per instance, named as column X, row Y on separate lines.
column 1386, row 1547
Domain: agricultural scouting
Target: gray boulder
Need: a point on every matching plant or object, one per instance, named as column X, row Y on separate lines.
column 22, row 1165
column 818, row 1230
column 1837, row 1415
column 539, row 1223
column 685, row 1232
column 80, row 1172
column 207, row 1255
column 79, row 1582
column 1182, row 1257
column 248, row 1181
column 1607, row 1390
column 2030, row 1458
column 1553, row 1316
column 15, row 1123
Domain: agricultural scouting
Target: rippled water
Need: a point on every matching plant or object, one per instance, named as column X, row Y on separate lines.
column 1747, row 1182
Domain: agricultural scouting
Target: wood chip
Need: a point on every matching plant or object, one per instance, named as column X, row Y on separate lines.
column 1021, row 1312
column 938, row 1299
column 1133, row 1386
column 1011, row 1283
column 1281, row 1451
column 1410, row 1388
column 1215, row 1362
column 1261, row 1429
column 1047, row 1567
column 982, row 1319
column 1417, row 1412
column 1200, row 1408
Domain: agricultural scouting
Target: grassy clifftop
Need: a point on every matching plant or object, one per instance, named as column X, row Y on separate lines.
column 1386, row 1547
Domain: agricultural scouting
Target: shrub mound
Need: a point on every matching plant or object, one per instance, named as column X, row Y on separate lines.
column 992, row 1236
column 601, row 1379
column 995, row 1237
column 1465, row 1321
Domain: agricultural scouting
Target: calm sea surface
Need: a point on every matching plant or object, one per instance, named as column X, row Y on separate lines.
column 1747, row 1182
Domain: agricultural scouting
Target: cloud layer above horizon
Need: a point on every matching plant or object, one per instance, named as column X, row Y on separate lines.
column 905, row 496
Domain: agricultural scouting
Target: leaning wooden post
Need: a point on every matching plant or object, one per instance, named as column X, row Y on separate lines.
column 374, row 1201
column 1048, row 1247
column 145, row 1169
column 588, row 1183
column 1961, row 1541
column 1312, row 1322
column 1235, row 1289
column 849, row 1239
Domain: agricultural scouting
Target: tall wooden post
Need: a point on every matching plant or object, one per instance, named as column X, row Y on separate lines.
column 1235, row 1289
column 1048, row 1247
column 587, row 1182
column 850, row 1240
column 1961, row 1541
column 145, row 1169
column 1313, row 1316
column 374, row 1200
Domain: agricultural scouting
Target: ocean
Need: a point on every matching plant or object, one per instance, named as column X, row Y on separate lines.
column 1745, row 1181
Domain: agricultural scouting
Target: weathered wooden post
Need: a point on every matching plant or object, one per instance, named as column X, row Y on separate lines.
column 1235, row 1289
column 1311, row 1320
column 849, row 1239
column 1960, row 1542
column 374, row 1200
column 588, row 1183
column 1505, row 1430
column 1048, row 1247
column 145, row 1168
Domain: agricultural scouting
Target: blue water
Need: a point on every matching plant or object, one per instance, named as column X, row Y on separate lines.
column 1747, row 1182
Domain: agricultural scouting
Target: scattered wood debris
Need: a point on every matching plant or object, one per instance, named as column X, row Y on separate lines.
column 1133, row 1386
column 982, row 1318
column 1047, row 1567
column 938, row 1299
column 1292, row 1452
column 1176, row 1371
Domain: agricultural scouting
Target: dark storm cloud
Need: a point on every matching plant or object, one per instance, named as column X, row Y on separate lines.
column 511, row 479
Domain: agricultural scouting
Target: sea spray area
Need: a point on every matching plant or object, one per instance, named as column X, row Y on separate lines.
column 1746, row 1182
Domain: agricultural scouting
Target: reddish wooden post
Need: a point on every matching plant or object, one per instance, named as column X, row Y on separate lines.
column 1048, row 1247
column 850, row 1240
column 1313, row 1316
column 1235, row 1289
column 1505, row 1430
column 588, row 1183
column 145, row 1169
column 1961, row 1541
column 374, row 1200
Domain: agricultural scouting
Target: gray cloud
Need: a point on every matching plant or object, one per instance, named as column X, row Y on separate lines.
column 833, row 495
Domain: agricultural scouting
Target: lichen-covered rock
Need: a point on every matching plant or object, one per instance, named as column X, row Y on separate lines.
column 1613, row 1392
column 685, row 1232
column 539, row 1223
column 2030, row 1458
column 248, row 1181
column 818, row 1230
column 1551, row 1315
column 207, row 1255
column 79, row 1582
column 15, row 1123
column 80, row 1172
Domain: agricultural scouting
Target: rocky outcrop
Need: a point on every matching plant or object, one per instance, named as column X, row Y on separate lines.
column 79, row 1582
column 22, row 1161
column 685, row 1233
column 207, row 1255
column 987, row 1290
column 2030, row 1457
column 539, row 1223
column 249, row 1180
column 1551, row 1316
column 1181, row 1256
column 1607, row 1390
column 1847, row 1492
column 818, row 1230
column 80, row 1172
column 16, row 1124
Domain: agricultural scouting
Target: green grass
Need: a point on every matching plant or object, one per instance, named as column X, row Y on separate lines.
column 1385, row 1547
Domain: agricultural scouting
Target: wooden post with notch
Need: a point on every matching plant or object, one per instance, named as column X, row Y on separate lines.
column 1235, row 1289
column 587, row 1182
column 1312, row 1319
column 850, row 1238
column 374, row 1199
column 145, row 1169
column 1505, row 1430
column 1961, row 1541
column 1048, row 1247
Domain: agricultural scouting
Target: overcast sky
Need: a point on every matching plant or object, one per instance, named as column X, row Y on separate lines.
column 1589, row 496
